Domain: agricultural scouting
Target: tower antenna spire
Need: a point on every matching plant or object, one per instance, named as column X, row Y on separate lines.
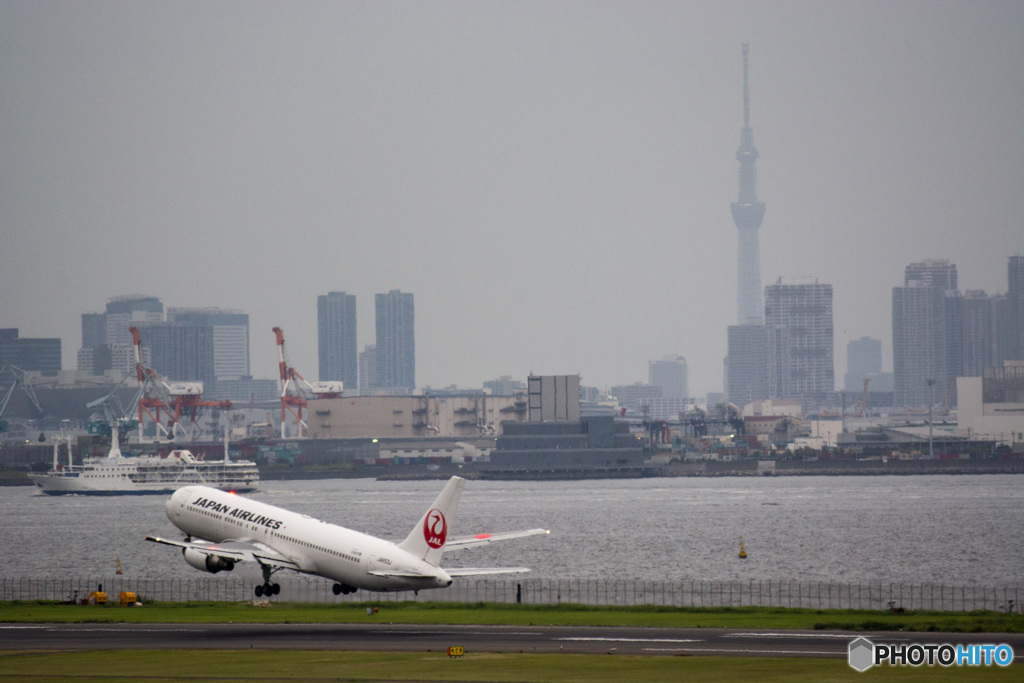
column 747, row 213
column 746, row 87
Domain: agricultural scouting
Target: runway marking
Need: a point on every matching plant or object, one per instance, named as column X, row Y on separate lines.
column 635, row 640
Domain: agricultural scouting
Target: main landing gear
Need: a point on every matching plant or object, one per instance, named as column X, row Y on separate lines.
column 342, row 589
column 267, row 588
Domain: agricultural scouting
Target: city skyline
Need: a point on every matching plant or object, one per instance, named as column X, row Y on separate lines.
column 535, row 173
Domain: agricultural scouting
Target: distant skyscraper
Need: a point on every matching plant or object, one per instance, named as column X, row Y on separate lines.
column 804, row 310
column 368, row 369
column 670, row 374
column 230, row 337
column 180, row 352
column 336, row 333
column 863, row 359
column 126, row 311
column 748, row 364
column 1015, row 293
column 921, row 332
column 396, row 341
column 747, row 214
column 24, row 353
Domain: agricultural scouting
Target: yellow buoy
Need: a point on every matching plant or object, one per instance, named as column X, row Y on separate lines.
column 743, row 552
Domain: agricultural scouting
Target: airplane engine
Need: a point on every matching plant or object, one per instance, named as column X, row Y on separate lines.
column 205, row 562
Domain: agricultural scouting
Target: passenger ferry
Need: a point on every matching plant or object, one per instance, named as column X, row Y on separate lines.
column 116, row 474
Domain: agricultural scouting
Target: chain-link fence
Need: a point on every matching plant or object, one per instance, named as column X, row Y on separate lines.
column 686, row 593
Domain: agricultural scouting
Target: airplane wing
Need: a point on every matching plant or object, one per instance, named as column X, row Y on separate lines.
column 483, row 571
column 237, row 551
column 484, row 539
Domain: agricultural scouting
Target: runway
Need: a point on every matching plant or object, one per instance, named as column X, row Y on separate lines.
column 434, row 638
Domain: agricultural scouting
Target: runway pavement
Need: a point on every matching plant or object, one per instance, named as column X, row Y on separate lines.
column 435, row 638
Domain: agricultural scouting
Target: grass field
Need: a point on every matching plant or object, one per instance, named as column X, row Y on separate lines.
column 210, row 665
column 207, row 665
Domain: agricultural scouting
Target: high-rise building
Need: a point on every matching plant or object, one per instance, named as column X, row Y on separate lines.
column 336, row 335
column 396, row 342
column 863, row 360
column 30, row 354
column 921, row 333
column 747, row 214
column 368, row 369
column 180, row 352
column 1015, row 294
column 230, row 337
column 125, row 311
column 671, row 375
column 804, row 310
column 749, row 364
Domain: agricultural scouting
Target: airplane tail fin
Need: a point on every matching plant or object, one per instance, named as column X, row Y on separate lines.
column 427, row 538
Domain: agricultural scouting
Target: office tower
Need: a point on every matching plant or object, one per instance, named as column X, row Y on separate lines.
column 670, row 374
column 748, row 373
column 230, row 337
column 863, row 360
column 336, row 335
column 125, row 311
column 921, row 333
column 396, row 342
column 1015, row 293
column 368, row 369
column 747, row 214
column 30, row 354
column 180, row 352
column 804, row 310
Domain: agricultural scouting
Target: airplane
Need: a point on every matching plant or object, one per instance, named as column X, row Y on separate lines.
column 223, row 529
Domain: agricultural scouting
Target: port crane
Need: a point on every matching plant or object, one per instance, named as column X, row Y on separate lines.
column 296, row 392
column 159, row 400
column 19, row 379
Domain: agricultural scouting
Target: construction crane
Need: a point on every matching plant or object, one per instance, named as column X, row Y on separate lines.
column 20, row 379
column 296, row 392
column 175, row 399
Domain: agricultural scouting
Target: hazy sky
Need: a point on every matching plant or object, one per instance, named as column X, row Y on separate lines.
column 551, row 180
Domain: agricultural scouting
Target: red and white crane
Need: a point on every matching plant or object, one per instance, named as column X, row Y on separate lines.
column 160, row 400
column 296, row 392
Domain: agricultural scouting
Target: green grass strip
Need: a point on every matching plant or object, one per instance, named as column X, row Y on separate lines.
column 213, row 665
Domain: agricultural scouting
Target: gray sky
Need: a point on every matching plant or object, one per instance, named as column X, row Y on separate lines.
column 550, row 179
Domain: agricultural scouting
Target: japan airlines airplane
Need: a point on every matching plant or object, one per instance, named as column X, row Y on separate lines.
column 223, row 529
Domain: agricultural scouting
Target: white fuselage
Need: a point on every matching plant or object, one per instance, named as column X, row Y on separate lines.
column 348, row 557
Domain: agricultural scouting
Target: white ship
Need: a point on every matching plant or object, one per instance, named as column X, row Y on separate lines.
column 118, row 475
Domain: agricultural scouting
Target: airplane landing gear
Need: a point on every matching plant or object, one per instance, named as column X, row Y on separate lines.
column 342, row 589
column 267, row 588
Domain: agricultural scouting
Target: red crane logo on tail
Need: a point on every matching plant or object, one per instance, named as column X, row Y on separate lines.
column 435, row 528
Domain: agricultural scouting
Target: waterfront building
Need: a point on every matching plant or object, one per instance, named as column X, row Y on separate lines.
column 396, row 342
column 367, row 369
column 180, row 352
column 863, row 360
column 804, row 310
column 504, row 386
column 230, row 337
column 336, row 337
column 671, row 375
column 921, row 333
column 635, row 396
column 1015, row 319
column 30, row 354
